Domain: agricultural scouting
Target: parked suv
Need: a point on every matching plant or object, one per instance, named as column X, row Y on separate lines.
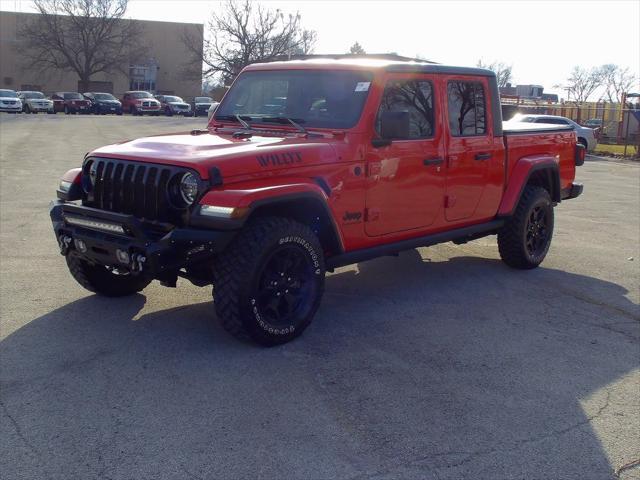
column 102, row 103
column 139, row 102
column 201, row 106
column 9, row 101
column 70, row 102
column 172, row 105
column 586, row 136
column 34, row 102
column 361, row 160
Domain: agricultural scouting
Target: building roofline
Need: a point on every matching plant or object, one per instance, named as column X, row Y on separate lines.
column 123, row 19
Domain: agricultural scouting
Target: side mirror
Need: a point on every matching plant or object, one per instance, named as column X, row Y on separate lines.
column 393, row 126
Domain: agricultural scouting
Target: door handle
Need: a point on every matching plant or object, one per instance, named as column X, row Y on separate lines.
column 433, row 161
column 483, row 156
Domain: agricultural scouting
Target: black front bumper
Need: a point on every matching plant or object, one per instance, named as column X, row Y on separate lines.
column 151, row 250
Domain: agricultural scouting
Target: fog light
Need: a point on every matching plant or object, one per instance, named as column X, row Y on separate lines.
column 122, row 256
column 80, row 245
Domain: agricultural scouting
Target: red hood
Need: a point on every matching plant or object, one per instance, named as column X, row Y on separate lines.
column 230, row 155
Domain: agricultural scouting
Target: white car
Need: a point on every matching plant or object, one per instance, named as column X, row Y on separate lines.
column 34, row 102
column 586, row 136
column 212, row 109
column 9, row 101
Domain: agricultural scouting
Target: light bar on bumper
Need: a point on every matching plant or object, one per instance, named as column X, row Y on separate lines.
column 95, row 225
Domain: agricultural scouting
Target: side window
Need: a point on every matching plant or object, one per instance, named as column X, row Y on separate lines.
column 467, row 109
column 414, row 98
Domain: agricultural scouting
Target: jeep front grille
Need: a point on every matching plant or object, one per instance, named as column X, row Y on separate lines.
column 144, row 190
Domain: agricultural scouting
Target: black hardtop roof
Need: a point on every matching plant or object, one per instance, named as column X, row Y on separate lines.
column 387, row 62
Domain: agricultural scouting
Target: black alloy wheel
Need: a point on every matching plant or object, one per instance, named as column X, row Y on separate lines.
column 285, row 287
column 537, row 234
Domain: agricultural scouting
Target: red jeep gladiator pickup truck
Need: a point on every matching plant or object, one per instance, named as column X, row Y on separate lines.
column 307, row 166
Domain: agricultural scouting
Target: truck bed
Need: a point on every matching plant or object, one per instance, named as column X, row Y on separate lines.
column 540, row 139
column 511, row 128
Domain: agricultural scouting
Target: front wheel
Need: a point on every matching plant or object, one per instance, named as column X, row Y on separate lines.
column 268, row 284
column 525, row 239
column 107, row 282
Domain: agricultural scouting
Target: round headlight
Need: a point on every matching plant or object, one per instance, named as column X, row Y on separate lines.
column 189, row 188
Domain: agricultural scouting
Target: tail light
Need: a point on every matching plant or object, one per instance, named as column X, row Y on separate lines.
column 580, row 155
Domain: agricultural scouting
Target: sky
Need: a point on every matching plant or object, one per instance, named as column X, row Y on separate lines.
column 542, row 40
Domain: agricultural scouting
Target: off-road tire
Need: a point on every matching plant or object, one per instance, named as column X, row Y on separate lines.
column 240, row 269
column 98, row 279
column 512, row 237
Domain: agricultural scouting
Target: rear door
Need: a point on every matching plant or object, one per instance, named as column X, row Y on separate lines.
column 470, row 146
column 405, row 183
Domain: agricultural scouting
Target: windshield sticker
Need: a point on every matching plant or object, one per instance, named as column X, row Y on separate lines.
column 362, row 87
column 276, row 159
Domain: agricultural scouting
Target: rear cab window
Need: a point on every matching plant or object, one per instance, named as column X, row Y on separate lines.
column 467, row 106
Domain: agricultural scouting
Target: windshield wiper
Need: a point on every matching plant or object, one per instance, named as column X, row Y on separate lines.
column 242, row 122
column 292, row 121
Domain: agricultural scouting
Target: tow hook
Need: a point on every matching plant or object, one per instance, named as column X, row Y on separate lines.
column 64, row 242
column 137, row 262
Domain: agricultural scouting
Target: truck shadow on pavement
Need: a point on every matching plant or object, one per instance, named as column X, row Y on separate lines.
column 412, row 369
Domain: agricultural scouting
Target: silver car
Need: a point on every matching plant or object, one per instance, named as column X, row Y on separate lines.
column 586, row 136
column 34, row 102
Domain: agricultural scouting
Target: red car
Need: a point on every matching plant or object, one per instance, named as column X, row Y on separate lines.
column 140, row 102
column 70, row 102
column 308, row 166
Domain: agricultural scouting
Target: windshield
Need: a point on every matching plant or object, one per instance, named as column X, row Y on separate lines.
column 72, row 96
column 8, row 93
column 322, row 99
column 33, row 95
column 141, row 95
column 169, row 98
column 203, row 100
column 104, row 96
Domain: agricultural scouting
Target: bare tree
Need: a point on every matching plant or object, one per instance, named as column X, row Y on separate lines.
column 583, row 82
column 244, row 33
column 502, row 71
column 617, row 80
column 356, row 49
column 86, row 37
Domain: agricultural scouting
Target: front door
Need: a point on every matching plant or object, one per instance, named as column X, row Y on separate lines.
column 470, row 150
column 405, row 184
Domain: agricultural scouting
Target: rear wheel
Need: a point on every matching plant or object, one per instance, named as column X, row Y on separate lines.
column 102, row 280
column 268, row 284
column 525, row 239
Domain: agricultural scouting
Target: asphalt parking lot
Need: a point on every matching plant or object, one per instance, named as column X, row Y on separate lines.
column 439, row 364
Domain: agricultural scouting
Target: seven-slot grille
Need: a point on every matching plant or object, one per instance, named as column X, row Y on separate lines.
column 140, row 189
